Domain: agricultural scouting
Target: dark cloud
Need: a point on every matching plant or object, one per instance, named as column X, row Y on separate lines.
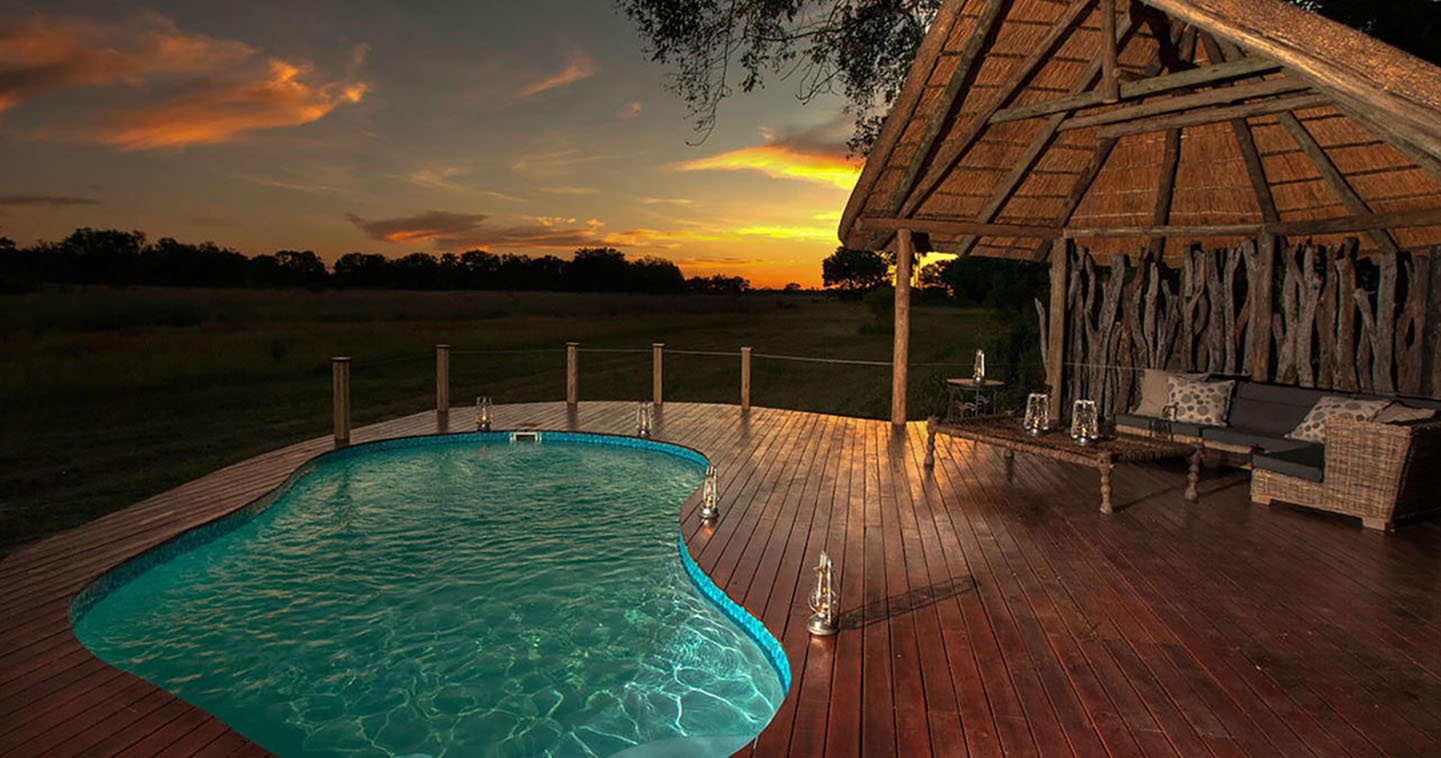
column 54, row 201
column 452, row 231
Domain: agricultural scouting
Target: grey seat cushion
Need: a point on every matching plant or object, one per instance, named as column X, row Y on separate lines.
column 1269, row 410
column 1247, row 438
column 1306, row 462
column 1144, row 424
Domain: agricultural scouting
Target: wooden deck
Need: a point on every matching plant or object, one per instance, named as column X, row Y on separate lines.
column 985, row 611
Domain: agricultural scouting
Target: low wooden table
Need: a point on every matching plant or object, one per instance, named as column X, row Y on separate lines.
column 1103, row 455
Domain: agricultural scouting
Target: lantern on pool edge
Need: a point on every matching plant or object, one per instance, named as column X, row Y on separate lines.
column 482, row 413
column 1038, row 413
column 1085, row 424
column 643, row 418
column 708, row 508
column 978, row 374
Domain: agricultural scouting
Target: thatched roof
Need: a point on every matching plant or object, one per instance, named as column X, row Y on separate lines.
column 1232, row 118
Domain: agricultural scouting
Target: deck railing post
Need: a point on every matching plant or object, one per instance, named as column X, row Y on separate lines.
column 340, row 390
column 745, row 379
column 657, row 356
column 572, row 373
column 442, row 378
column 905, row 249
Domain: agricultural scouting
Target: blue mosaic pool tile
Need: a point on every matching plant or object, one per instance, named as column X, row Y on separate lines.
column 738, row 615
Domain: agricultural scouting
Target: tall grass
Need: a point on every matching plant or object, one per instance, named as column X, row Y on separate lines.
column 112, row 395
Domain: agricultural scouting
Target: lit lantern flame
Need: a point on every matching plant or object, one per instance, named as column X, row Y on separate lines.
column 709, row 508
column 823, row 599
column 483, row 413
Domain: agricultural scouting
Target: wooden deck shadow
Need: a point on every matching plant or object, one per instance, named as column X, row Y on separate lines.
column 899, row 605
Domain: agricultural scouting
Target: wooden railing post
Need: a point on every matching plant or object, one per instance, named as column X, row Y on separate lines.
column 905, row 248
column 442, row 378
column 657, row 356
column 340, row 390
column 1056, row 328
column 572, row 373
column 745, row 378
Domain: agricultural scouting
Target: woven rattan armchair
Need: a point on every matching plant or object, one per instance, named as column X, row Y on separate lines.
column 1383, row 473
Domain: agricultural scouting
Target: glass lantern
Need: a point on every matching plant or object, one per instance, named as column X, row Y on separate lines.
column 643, row 419
column 1038, row 413
column 483, row 413
column 709, row 495
column 978, row 374
column 1085, row 423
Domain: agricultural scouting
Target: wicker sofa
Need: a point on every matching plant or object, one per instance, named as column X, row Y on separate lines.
column 1379, row 472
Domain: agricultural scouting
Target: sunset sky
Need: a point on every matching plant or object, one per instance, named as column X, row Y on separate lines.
column 534, row 127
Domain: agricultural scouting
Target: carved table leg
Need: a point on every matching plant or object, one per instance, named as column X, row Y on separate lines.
column 1009, row 456
column 1106, row 466
column 930, row 441
column 1193, row 475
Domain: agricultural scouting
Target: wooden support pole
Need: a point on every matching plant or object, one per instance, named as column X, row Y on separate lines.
column 745, row 379
column 572, row 373
column 1056, row 331
column 340, row 393
column 1110, row 88
column 442, row 378
column 905, row 250
column 657, row 358
column 1260, row 357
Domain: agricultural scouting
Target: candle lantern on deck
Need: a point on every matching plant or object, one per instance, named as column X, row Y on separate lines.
column 708, row 507
column 482, row 413
column 978, row 374
column 823, row 599
column 643, row 412
column 1038, row 413
column 1085, row 424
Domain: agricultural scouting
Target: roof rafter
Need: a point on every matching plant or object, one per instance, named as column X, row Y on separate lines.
column 1245, row 141
column 1333, row 176
column 952, row 151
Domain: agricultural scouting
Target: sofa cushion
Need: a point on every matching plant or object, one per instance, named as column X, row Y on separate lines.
column 1269, row 410
column 1249, row 439
column 1306, row 462
column 1202, row 403
column 1143, row 424
column 1397, row 412
column 1313, row 427
column 1155, row 391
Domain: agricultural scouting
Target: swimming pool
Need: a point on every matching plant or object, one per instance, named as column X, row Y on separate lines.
column 455, row 595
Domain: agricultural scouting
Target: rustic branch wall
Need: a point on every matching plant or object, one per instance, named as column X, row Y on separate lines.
column 1140, row 313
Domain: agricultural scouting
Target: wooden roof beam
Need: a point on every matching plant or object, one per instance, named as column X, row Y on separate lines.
column 1341, row 225
column 1042, row 140
column 1166, row 192
column 1333, row 176
column 1140, row 88
column 952, row 150
column 1110, row 90
column 1245, row 141
column 1212, row 115
column 1078, row 191
column 941, row 112
column 1231, row 94
column 941, row 226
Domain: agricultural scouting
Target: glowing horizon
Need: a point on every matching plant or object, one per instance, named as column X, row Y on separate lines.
column 261, row 128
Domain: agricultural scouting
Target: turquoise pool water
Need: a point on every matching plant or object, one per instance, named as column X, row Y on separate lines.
column 466, row 598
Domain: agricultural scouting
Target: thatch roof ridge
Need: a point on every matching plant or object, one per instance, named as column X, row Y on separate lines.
column 1333, row 55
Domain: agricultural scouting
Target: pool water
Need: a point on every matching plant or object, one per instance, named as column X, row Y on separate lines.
column 468, row 598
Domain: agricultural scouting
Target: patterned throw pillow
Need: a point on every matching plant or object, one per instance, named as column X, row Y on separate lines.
column 1156, row 391
column 1313, row 427
column 1196, row 402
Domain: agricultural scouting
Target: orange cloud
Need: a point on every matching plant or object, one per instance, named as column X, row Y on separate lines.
column 225, row 87
column 783, row 161
column 41, row 54
column 221, row 111
column 630, row 109
column 579, row 67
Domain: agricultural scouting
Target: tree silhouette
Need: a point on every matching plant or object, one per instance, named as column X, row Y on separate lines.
column 854, row 271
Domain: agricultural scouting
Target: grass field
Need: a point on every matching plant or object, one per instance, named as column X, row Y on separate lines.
column 112, row 395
